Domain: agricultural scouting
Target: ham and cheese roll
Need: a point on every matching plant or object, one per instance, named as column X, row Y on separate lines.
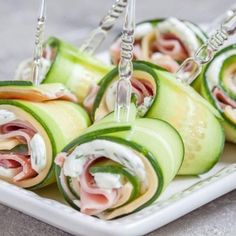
column 157, row 94
column 116, row 169
column 63, row 63
column 33, row 132
column 165, row 42
column 218, row 87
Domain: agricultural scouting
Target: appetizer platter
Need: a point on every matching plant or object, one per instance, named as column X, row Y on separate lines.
column 127, row 141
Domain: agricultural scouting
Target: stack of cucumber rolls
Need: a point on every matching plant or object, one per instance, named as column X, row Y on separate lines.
column 66, row 64
column 165, row 42
column 157, row 94
column 34, row 127
column 115, row 169
column 219, row 87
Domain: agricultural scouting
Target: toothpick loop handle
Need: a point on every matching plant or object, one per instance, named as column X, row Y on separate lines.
column 124, row 88
column 191, row 67
column 38, row 48
column 98, row 35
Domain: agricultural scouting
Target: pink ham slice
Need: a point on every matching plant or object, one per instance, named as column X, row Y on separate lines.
column 94, row 200
column 9, row 163
column 169, row 44
column 89, row 100
column 142, row 89
column 19, row 160
column 60, row 159
column 18, row 125
column 161, row 60
column 169, row 48
column 165, row 61
column 23, row 132
column 223, row 99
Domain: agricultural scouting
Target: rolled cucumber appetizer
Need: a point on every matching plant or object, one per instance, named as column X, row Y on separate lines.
column 157, row 94
column 31, row 134
column 219, row 87
column 64, row 63
column 115, row 169
column 27, row 91
column 165, row 42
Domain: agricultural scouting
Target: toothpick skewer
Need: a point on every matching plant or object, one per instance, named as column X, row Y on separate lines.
column 98, row 35
column 38, row 47
column 124, row 88
column 192, row 67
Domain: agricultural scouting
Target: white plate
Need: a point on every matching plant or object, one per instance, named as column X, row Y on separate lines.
column 182, row 196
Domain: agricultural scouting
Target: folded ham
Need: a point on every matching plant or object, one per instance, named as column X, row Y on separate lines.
column 170, row 45
column 223, row 99
column 31, row 134
column 141, row 88
column 163, row 42
column 111, row 171
column 22, row 132
column 94, row 200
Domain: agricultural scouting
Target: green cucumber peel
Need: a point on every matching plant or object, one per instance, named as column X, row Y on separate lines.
column 113, row 75
column 206, row 92
column 10, row 83
column 75, row 56
column 94, row 135
column 69, row 184
column 50, row 176
column 151, row 158
column 227, row 62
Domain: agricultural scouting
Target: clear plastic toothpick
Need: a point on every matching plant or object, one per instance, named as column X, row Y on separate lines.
column 99, row 34
column 222, row 17
column 38, row 47
column 124, row 88
column 191, row 67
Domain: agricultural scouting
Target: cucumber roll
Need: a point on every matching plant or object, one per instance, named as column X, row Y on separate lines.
column 27, row 91
column 31, row 134
column 219, row 87
column 165, row 42
column 64, row 63
column 115, row 169
column 157, row 94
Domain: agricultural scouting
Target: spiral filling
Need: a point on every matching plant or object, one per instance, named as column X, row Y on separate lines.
column 167, row 44
column 22, row 148
column 105, row 179
column 221, row 82
column 143, row 94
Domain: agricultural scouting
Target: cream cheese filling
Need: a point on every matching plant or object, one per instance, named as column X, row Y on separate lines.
column 178, row 28
column 132, row 161
column 214, row 69
column 37, row 148
column 74, row 163
column 9, row 173
column 212, row 76
column 6, row 117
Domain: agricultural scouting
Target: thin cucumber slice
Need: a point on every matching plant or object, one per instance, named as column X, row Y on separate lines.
column 155, row 142
column 57, row 122
column 194, row 118
column 219, row 75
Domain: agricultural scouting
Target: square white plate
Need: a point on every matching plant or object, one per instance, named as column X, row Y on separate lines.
column 182, row 196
